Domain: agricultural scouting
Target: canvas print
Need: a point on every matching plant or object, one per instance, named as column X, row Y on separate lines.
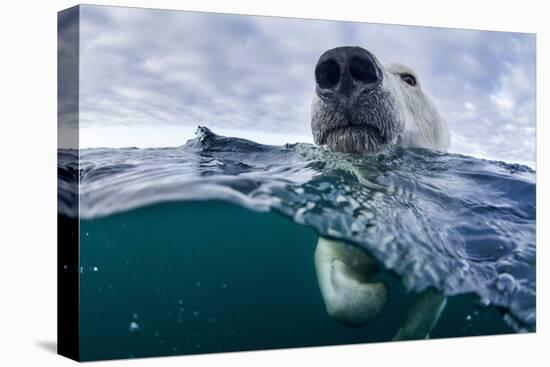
column 233, row 183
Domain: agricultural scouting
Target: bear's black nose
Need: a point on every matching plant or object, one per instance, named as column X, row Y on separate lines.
column 346, row 69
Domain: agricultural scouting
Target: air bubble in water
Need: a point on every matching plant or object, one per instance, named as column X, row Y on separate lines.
column 134, row 327
column 485, row 302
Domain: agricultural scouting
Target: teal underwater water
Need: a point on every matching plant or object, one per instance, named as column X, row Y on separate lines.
column 199, row 277
column 208, row 247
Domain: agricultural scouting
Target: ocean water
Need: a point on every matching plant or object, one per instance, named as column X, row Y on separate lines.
column 208, row 247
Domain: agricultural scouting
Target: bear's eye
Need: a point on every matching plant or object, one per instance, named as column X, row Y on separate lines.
column 409, row 79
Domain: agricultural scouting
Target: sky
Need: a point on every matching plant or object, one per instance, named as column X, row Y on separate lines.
column 150, row 77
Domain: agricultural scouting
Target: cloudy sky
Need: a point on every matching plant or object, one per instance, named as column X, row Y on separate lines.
column 149, row 77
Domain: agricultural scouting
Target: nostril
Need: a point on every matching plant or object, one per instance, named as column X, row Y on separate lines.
column 362, row 69
column 327, row 74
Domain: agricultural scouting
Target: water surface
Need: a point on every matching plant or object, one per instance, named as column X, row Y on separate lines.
column 209, row 246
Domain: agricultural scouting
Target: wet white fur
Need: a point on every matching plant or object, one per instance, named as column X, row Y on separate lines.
column 343, row 274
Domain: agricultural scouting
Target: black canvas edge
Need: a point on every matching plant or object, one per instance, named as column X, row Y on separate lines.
column 68, row 238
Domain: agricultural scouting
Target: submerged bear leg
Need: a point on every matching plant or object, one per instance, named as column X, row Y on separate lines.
column 344, row 272
column 424, row 311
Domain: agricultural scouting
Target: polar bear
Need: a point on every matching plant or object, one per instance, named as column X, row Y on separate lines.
column 361, row 106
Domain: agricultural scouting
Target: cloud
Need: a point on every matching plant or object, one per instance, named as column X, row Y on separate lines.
column 142, row 67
